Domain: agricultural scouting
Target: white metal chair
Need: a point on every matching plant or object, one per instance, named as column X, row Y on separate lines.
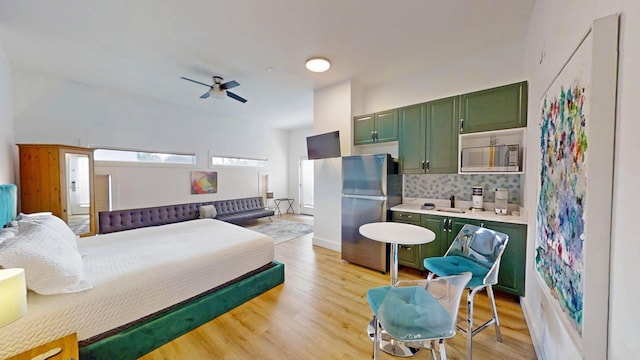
column 418, row 312
column 477, row 250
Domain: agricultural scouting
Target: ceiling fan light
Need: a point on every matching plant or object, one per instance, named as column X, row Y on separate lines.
column 318, row 64
column 217, row 94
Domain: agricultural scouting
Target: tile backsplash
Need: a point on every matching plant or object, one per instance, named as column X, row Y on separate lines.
column 442, row 186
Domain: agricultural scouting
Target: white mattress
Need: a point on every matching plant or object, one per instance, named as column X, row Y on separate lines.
column 136, row 273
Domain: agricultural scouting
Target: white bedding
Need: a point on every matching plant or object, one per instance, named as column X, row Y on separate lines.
column 138, row 272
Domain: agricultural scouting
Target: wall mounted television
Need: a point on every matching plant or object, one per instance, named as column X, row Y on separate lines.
column 323, row 146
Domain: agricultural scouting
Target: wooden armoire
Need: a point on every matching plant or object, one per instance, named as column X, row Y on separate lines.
column 59, row 179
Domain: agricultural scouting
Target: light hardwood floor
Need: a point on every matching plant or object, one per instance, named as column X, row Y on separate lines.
column 321, row 312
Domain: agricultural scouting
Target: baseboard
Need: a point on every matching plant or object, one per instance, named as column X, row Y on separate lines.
column 533, row 334
column 331, row 245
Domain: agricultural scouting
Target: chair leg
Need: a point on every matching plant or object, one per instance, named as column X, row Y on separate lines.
column 470, row 322
column 443, row 352
column 376, row 337
column 495, row 313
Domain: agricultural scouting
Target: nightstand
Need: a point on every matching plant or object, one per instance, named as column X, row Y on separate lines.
column 67, row 344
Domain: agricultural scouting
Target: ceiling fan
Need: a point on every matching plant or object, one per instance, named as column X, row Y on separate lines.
column 218, row 88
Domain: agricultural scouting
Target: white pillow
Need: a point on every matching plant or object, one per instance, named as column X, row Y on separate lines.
column 208, row 211
column 54, row 224
column 52, row 265
column 7, row 233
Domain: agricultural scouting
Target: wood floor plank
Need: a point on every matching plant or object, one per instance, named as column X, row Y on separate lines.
column 321, row 312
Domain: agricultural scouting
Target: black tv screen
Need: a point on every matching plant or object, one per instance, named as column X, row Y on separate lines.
column 323, row 146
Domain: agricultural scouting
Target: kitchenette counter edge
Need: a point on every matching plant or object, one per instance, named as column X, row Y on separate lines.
column 468, row 214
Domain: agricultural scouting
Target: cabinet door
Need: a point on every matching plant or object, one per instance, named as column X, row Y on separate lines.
column 512, row 265
column 442, row 136
column 363, row 127
column 503, row 107
column 386, row 126
column 408, row 255
column 437, row 224
column 411, row 145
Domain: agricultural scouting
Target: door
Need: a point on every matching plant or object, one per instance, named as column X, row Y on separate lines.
column 356, row 248
column 442, row 136
column 386, row 126
column 365, row 175
column 78, row 184
column 411, row 145
column 363, row 127
column 503, row 107
column 306, row 186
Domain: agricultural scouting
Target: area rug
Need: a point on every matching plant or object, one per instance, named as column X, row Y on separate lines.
column 283, row 230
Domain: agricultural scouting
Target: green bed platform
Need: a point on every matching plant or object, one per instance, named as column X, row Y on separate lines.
column 142, row 338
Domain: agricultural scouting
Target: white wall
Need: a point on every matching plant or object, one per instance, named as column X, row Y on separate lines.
column 554, row 31
column 6, row 121
column 54, row 110
column 331, row 112
column 297, row 150
column 493, row 67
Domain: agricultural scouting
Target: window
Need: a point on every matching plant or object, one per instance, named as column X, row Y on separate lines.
column 229, row 161
column 143, row 156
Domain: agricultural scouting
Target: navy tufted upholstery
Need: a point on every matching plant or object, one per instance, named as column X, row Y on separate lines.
column 234, row 211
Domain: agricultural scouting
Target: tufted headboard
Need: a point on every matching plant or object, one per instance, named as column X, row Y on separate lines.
column 8, row 203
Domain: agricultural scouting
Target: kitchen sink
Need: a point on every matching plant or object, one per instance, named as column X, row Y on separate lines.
column 451, row 210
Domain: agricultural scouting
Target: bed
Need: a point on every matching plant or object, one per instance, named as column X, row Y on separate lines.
column 147, row 286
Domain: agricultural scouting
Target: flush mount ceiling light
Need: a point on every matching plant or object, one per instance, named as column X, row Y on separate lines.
column 318, row 64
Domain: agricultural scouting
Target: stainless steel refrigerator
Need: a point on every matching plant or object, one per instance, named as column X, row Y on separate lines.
column 370, row 187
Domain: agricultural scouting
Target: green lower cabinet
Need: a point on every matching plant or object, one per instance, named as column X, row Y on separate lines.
column 512, row 266
column 511, row 278
column 408, row 255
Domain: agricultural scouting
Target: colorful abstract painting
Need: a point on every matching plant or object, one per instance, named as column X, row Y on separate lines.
column 204, row 182
column 561, row 230
column 561, row 203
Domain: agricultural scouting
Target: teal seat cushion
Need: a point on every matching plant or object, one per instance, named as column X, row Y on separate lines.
column 454, row 265
column 410, row 313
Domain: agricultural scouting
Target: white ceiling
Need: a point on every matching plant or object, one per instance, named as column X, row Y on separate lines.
column 145, row 46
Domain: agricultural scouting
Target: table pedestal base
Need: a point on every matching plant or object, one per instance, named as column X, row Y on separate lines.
column 392, row 346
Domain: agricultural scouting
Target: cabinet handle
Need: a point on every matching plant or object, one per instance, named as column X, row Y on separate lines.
column 450, row 227
column 407, row 216
column 375, row 136
column 428, row 165
column 461, row 125
column 424, row 163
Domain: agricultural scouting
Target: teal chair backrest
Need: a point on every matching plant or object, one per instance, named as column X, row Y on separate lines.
column 482, row 246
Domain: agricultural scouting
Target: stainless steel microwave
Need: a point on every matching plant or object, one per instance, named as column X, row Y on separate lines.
column 490, row 158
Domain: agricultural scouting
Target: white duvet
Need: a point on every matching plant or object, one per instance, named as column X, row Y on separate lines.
column 138, row 272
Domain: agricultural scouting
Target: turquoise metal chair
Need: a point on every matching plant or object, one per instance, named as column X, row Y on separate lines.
column 476, row 250
column 418, row 313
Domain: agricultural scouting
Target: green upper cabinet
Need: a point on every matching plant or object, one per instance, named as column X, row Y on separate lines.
column 503, row 107
column 411, row 146
column 363, row 127
column 428, row 140
column 442, row 136
column 375, row 128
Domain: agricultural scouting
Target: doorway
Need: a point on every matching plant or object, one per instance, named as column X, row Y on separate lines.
column 306, row 185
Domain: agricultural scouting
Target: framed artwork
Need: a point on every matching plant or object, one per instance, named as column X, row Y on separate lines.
column 204, row 182
column 573, row 213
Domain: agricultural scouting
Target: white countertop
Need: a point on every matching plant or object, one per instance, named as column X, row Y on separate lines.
column 468, row 214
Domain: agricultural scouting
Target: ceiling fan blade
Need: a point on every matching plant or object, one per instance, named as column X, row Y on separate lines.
column 234, row 96
column 205, row 95
column 197, row 82
column 229, row 85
